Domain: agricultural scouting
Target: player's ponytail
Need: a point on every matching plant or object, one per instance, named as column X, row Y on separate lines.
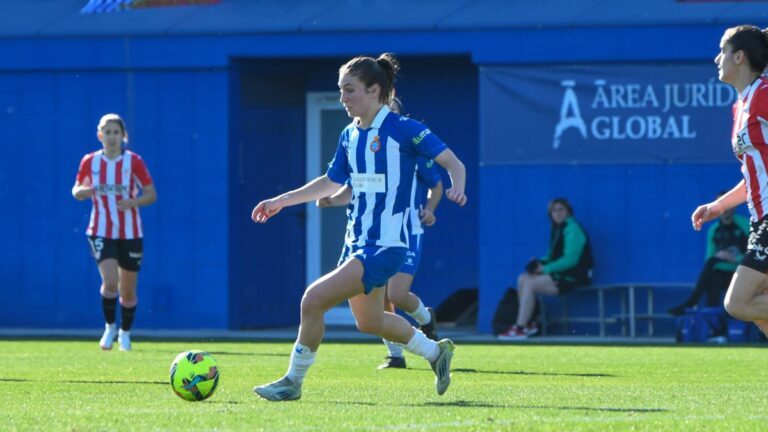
column 390, row 66
column 370, row 71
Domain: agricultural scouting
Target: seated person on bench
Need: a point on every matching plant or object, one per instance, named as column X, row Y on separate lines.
column 568, row 265
column 726, row 245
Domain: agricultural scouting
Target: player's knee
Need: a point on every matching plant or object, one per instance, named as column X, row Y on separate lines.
column 736, row 308
column 109, row 289
column 311, row 305
column 128, row 301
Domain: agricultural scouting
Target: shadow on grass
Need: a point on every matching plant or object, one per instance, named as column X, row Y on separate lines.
column 85, row 381
column 501, row 372
column 286, row 354
column 232, row 353
column 479, row 404
column 475, row 404
column 113, row 382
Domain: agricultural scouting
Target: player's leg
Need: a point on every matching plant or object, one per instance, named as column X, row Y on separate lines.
column 104, row 252
column 399, row 290
column 130, row 253
column 109, row 282
column 328, row 291
column 747, row 297
column 128, row 302
column 371, row 318
column 395, row 358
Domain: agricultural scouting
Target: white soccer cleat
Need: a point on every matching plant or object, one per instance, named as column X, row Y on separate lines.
column 110, row 331
column 281, row 390
column 124, row 339
column 442, row 366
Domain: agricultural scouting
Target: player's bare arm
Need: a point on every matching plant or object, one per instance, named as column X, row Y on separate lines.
column 458, row 174
column 342, row 197
column 707, row 212
column 314, row 190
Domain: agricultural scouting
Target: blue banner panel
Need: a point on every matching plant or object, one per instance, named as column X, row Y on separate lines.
column 640, row 113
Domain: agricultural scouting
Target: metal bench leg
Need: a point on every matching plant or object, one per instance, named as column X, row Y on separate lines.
column 623, row 312
column 542, row 315
column 650, row 311
column 564, row 310
column 601, row 311
column 632, row 323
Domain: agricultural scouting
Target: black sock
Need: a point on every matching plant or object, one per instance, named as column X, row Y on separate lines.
column 108, row 305
column 126, row 319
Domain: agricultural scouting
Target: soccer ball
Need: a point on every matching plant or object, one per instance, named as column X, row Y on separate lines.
column 194, row 375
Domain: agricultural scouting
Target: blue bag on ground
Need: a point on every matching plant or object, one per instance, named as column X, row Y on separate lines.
column 698, row 325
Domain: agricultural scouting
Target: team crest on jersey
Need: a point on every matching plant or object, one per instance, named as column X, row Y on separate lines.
column 376, row 144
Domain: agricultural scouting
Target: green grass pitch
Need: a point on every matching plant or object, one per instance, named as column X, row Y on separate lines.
column 74, row 386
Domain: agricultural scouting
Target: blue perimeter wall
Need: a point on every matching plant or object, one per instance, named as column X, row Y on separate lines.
column 176, row 94
column 49, row 122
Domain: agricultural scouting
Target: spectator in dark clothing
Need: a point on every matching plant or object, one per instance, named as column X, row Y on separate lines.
column 726, row 245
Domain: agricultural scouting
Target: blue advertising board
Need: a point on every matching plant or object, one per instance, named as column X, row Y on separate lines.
column 628, row 113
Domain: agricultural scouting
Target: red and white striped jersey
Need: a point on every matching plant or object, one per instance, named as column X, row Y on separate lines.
column 113, row 181
column 750, row 144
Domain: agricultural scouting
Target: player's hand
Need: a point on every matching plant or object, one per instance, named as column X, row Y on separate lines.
column 427, row 217
column 456, row 196
column 705, row 213
column 86, row 191
column 266, row 209
column 83, row 191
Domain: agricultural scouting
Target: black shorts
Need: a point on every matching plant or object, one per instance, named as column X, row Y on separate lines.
column 128, row 253
column 757, row 246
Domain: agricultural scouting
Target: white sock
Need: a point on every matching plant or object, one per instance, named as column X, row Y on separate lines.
column 394, row 349
column 423, row 346
column 301, row 359
column 421, row 314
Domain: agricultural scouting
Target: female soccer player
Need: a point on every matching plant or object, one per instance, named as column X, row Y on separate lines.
column 376, row 154
column 742, row 59
column 426, row 195
column 112, row 178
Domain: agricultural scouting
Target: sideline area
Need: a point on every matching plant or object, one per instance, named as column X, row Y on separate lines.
column 334, row 333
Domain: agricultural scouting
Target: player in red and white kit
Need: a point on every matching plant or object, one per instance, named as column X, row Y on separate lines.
column 742, row 59
column 118, row 183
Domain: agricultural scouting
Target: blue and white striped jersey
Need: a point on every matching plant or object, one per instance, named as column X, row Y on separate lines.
column 425, row 179
column 379, row 164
